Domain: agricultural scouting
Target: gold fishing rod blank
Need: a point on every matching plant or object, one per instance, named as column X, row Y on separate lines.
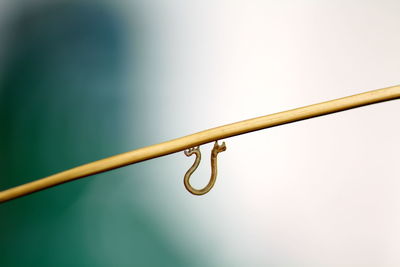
column 203, row 137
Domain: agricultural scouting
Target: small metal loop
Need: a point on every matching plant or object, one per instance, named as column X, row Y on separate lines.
column 214, row 153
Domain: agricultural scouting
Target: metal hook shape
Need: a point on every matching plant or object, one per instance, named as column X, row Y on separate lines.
column 214, row 153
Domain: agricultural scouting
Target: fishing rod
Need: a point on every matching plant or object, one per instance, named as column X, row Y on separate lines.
column 190, row 143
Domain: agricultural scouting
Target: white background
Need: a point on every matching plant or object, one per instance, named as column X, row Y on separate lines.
column 321, row 192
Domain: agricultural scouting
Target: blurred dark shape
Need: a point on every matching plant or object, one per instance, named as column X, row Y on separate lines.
column 61, row 105
column 62, row 88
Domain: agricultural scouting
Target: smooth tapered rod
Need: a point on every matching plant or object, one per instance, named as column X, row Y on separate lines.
column 203, row 137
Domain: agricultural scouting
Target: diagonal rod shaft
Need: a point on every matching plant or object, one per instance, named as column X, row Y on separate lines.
column 203, row 137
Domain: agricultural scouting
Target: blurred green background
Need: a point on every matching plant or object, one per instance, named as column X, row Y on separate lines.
column 62, row 104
